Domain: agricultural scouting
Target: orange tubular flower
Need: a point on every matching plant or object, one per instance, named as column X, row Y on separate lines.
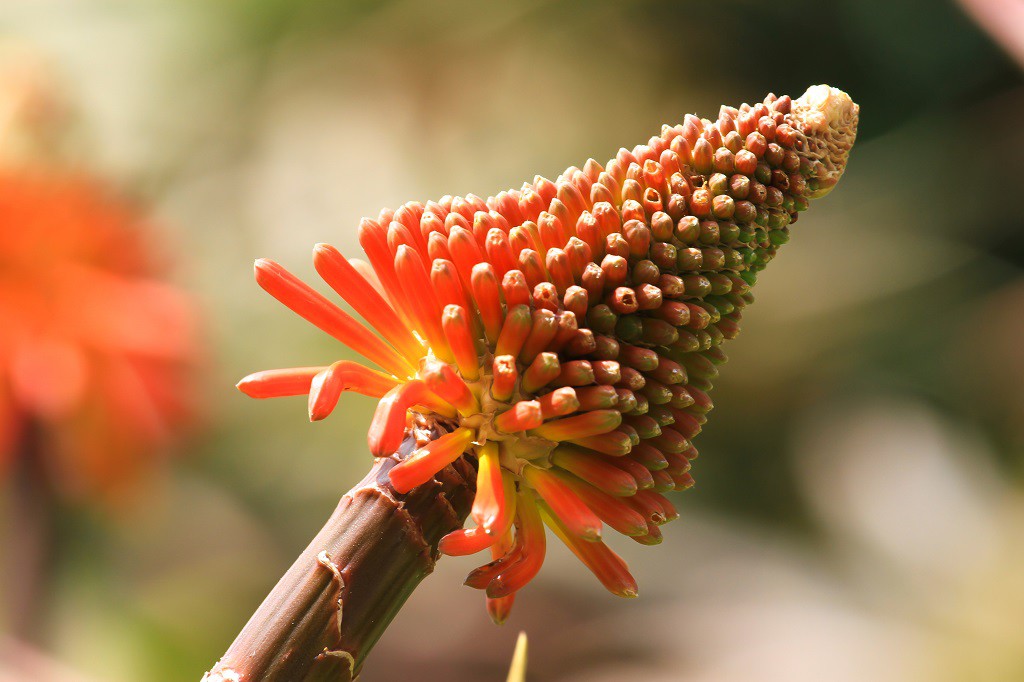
column 564, row 335
column 93, row 348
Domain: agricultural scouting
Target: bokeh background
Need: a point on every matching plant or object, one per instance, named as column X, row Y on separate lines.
column 859, row 508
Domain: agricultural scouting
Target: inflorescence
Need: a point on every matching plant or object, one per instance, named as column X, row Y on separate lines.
column 97, row 351
column 565, row 335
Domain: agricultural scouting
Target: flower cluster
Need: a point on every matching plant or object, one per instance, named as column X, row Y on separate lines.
column 565, row 335
column 93, row 348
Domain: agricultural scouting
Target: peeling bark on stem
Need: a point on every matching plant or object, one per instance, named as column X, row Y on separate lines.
column 330, row 608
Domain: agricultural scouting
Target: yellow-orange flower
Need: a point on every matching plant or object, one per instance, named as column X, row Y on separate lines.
column 565, row 335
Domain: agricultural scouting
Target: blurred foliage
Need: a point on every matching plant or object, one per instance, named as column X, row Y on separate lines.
column 258, row 128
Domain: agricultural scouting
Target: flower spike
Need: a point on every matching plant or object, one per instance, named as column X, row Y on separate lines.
column 565, row 335
column 97, row 351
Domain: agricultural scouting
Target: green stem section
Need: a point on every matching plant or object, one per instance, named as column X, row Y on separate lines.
column 323, row 617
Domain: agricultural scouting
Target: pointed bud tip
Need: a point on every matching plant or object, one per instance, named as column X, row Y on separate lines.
column 500, row 609
column 828, row 117
column 835, row 106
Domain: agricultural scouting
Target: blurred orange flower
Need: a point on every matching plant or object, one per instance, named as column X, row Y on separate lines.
column 93, row 347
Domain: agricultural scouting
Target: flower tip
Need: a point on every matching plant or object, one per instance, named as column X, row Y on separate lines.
column 321, row 249
column 276, row 383
column 500, row 609
column 829, row 118
column 266, row 271
column 316, row 412
column 252, row 385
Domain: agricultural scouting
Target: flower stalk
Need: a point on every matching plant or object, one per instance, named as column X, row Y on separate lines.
column 564, row 336
column 326, row 613
column 33, row 538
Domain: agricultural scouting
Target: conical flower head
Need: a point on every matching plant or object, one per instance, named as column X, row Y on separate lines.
column 565, row 335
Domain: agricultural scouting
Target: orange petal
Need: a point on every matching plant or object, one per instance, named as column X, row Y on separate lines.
column 442, row 380
column 449, row 290
column 505, row 376
column 614, row 443
column 505, row 552
column 487, row 295
column 543, row 369
column 559, row 402
column 388, row 426
column 499, row 609
column 472, row 540
column 543, row 327
column 564, row 503
column 532, row 267
column 50, row 377
column 420, row 293
column 499, row 252
column 613, row 511
column 522, row 416
column 311, row 305
column 276, row 383
column 121, row 314
column 370, row 275
column 515, row 289
column 489, row 501
column 456, row 325
column 593, row 423
column 421, row 465
column 596, row 397
column 558, row 266
column 345, row 375
column 514, row 331
column 608, row 566
column 373, row 238
column 533, row 545
column 465, row 252
column 592, row 468
column 352, row 287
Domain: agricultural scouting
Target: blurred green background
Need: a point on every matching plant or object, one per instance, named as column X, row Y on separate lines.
column 859, row 512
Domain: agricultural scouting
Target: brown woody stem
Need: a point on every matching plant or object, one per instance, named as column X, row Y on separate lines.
column 31, row 561
column 330, row 608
